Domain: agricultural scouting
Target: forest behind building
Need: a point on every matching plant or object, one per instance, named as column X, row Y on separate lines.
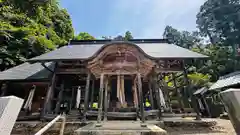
column 29, row 28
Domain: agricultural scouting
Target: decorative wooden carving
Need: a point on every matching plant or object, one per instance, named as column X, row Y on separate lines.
column 120, row 59
column 169, row 65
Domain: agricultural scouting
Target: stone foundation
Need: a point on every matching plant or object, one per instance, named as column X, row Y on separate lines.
column 30, row 128
column 115, row 127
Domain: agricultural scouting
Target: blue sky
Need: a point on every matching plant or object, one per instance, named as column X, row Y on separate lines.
column 144, row 18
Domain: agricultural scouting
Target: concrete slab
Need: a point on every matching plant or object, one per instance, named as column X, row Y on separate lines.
column 121, row 128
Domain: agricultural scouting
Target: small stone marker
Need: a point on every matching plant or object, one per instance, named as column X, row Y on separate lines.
column 9, row 110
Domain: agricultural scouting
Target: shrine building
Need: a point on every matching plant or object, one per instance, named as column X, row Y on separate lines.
column 102, row 80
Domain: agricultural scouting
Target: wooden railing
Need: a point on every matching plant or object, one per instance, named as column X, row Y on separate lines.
column 50, row 124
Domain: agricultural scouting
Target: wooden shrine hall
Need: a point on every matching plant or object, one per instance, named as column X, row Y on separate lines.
column 99, row 79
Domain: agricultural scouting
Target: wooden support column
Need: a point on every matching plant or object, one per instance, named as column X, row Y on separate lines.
column 60, row 97
column 191, row 96
column 206, row 105
column 135, row 96
column 186, row 82
column 135, row 93
column 177, row 90
column 73, row 98
column 99, row 118
column 141, row 99
column 48, row 98
column 92, row 93
column 151, row 92
column 106, row 99
column 3, row 88
column 156, row 89
column 86, row 98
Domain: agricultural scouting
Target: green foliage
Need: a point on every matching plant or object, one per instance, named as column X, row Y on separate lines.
column 84, row 36
column 198, row 79
column 219, row 20
column 29, row 28
column 128, row 35
column 182, row 38
column 220, row 61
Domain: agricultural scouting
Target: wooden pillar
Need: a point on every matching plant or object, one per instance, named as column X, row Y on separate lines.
column 156, row 89
column 151, row 92
column 73, row 98
column 47, row 102
column 100, row 101
column 92, row 93
column 191, row 96
column 141, row 98
column 135, row 93
column 106, row 99
column 86, row 98
column 186, row 82
column 3, row 88
column 60, row 97
column 48, row 98
column 122, row 91
column 177, row 90
column 206, row 105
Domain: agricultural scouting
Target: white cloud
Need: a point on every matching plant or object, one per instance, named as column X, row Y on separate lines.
column 154, row 15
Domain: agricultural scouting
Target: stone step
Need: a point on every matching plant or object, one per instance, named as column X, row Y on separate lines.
column 121, row 128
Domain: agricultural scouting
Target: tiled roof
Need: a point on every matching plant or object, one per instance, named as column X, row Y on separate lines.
column 88, row 50
column 226, row 81
column 27, row 71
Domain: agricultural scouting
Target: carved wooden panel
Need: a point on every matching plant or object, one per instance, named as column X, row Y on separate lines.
column 122, row 58
column 169, row 65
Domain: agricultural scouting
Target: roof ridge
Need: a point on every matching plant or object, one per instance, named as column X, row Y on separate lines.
column 105, row 41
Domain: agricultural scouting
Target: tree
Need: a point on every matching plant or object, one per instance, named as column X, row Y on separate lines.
column 220, row 21
column 84, row 36
column 182, row 38
column 119, row 38
column 29, row 28
column 128, row 35
column 220, row 61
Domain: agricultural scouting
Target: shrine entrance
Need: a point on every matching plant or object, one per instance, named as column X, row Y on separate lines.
column 120, row 69
column 121, row 92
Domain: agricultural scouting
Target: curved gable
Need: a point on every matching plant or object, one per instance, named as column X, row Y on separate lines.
column 122, row 58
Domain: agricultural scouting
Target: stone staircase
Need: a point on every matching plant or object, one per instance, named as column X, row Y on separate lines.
column 74, row 115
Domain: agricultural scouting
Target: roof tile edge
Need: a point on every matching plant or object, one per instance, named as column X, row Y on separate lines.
column 103, row 41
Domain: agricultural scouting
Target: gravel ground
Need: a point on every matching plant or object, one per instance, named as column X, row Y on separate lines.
column 223, row 127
